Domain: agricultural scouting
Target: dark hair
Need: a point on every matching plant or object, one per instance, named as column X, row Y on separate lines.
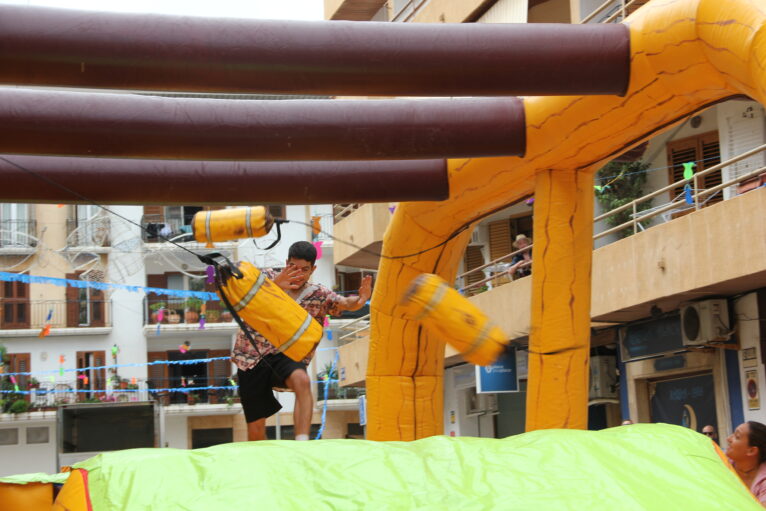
column 303, row 250
column 757, row 438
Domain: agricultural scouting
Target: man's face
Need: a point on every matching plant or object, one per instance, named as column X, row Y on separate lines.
column 304, row 270
column 709, row 431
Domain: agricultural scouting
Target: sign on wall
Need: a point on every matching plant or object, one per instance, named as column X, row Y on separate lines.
column 502, row 376
column 751, row 389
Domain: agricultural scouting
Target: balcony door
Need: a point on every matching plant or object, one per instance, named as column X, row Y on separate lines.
column 15, row 305
column 85, row 307
column 16, row 225
column 92, row 381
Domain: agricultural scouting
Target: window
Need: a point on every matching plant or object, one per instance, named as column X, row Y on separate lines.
column 15, row 305
column 277, row 210
column 16, row 225
column 473, row 259
column 96, row 380
column 9, row 436
column 706, row 152
column 85, row 307
column 38, row 435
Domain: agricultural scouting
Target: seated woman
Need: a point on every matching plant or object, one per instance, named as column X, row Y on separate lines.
column 747, row 452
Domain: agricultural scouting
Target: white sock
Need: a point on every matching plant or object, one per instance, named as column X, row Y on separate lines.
column 301, row 437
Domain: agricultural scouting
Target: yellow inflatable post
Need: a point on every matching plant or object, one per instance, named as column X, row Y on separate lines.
column 686, row 55
column 559, row 341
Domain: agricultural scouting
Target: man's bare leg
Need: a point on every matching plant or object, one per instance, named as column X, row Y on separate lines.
column 256, row 430
column 299, row 383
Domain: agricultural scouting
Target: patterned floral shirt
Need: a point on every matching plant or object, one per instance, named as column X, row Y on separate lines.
column 317, row 299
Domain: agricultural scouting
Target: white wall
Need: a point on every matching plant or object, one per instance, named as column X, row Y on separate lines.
column 24, row 458
column 176, row 432
column 457, row 381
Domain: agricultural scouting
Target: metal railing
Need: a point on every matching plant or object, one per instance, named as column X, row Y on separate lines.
column 26, row 314
column 678, row 204
column 354, row 330
column 18, row 233
column 326, row 223
column 157, row 227
column 406, row 11
column 93, row 232
column 341, row 211
column 178, row 310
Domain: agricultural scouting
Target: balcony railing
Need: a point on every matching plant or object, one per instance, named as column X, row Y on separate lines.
column 699, row 198
column 93, row 232
column 326, row 229
column 25, row 314
column 158, row 229
column 18, row 233
column 613, row 11
column 177, row 311
column 354, row 330
column 334, row 391
column 341, row 211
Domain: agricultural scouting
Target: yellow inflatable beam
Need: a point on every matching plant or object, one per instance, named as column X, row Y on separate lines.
column 686, row 55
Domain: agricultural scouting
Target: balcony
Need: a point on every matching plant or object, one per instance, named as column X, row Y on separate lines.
column 160, row 228
column 352, row 10
column 93, row 232
column 326, row 226
column 18, row 236
column 177, row 315
column 29, row 317
column 364, row 227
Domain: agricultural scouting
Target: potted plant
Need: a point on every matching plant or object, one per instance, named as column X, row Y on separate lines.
column 156, row 307
column 19, row 406
column 193, row 306
column 226, row 316
column 212, row 315
column 33, row 384
column 191, row 398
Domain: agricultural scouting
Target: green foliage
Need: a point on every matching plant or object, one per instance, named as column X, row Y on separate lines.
column 626, row 188
column 19, row 406
column 157, row 306
column 194, row 304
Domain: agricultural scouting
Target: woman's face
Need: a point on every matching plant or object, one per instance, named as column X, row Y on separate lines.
column 739, row 443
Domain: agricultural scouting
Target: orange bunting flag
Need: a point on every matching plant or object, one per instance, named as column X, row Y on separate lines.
column 133, row 381
column 85, row 380
column 44, row 332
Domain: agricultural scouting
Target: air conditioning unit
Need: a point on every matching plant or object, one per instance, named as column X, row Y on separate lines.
column 704, row 321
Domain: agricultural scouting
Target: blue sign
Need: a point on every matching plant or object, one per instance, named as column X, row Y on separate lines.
column 501, row 376
column 362, row 410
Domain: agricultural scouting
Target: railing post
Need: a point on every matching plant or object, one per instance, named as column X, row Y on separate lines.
column 695, row 193
column 559, row 341
column 635, row 214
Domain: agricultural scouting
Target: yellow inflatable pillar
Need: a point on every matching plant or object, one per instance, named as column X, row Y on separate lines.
column 559, row 341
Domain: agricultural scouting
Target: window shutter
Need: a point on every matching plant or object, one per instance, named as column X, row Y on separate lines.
column 744, row 129
column 499, row 239
column 219, row 371
column 158, row 373
column 703, row 149
column 15, row 305
column 473, row 259
column 72, row 303
column 21, row 363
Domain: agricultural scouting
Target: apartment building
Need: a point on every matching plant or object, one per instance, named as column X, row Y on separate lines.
column 128, row 246
column 677, row 297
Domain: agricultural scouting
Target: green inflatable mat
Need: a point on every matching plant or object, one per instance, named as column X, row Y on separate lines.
column 637, row 467
column 38, row 477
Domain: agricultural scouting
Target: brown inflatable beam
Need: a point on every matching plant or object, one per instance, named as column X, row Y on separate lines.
column 133, row 126
column 114, row 181
column 42, row 46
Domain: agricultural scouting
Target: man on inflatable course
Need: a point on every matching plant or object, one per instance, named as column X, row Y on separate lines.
column 262, row 367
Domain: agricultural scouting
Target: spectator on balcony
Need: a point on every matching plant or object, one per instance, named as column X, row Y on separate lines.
column 262, row 369
column 521, row 264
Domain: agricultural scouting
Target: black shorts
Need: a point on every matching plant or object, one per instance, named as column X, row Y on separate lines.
column 255, row 385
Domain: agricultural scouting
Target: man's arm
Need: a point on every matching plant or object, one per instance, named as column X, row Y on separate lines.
column 354, row 303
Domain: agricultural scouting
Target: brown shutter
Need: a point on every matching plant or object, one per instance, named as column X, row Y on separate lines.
column 80, row 384
column 352, row 282
column 703, row 149
column 154, row 213
column 160, row 281
column 97, row 308
column 219, row 371
column 473, row 259
column 158, row 373
column 72, row 303
column 16, row 307
column 98, row 381
column 499, row 239
column 21, row 363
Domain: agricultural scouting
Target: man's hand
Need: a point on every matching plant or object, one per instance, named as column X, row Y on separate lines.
column 365, row 290
column 287, row 278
